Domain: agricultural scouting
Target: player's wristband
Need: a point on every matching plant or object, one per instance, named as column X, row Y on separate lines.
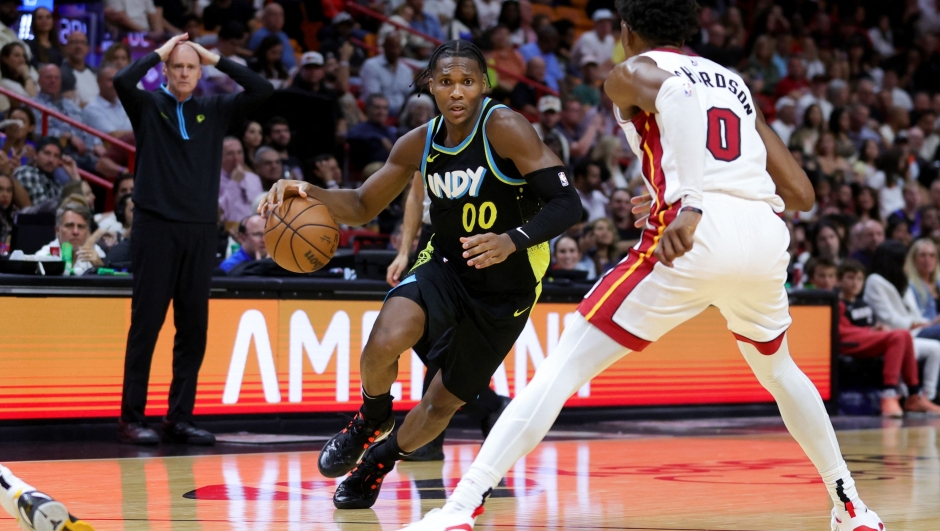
column 692, row 209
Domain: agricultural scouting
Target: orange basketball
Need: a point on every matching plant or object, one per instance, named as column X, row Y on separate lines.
column 300, row 235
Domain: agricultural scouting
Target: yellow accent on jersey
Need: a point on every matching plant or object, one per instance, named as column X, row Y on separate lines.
column 424, row 256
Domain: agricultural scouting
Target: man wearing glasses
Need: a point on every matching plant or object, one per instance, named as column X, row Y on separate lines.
column 251, row 237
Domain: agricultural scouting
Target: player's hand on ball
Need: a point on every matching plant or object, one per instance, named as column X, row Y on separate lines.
column 641, row 209
column 484, row 250
column 283, row 189
column 677, row 238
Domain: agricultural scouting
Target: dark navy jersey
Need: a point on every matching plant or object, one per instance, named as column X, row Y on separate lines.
column 475, row 191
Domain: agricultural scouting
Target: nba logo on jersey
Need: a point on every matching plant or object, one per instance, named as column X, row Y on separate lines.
column 563, row 178
column 688, row 89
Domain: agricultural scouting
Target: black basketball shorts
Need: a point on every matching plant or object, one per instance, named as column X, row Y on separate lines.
column 466, row 335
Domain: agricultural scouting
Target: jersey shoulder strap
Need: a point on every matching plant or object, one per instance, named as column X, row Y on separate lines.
column 492, row 158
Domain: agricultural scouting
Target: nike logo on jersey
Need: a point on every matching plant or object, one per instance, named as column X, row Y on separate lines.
column 431, row 159
column 520, row 312
column 455, row 184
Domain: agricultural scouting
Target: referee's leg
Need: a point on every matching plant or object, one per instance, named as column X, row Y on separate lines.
column 191, row 317
column 153, row 254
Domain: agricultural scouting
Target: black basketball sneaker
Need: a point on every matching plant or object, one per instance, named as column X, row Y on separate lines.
column 361, row 488
column 344, row 451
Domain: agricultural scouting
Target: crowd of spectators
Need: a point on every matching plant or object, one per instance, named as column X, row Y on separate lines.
column 851, row 86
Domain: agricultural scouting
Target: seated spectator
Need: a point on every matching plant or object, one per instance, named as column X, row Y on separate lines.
column 425, row 22
column 807, row 135
column 231, row 37
column 269, row 62
column 371, row 141
column 7, row 208
column 519, row 26
column 831, row 165
column 581, row 132
column 859, row 131
column 597, row 43
column 923, row 274
column 567, row 257
column 386, row 76
column 238, row 187
column 220, row 12
column 277, row 136
column 586, row 92
column 889, row 181
column 609, row 151
column 898, row 230
column 897, row 120
column 124, row 185
column 106, row 113
column 268, row 167
column 272, row 20
column 465, row 23
column 869, row 236
column 821, row 273
column 251, row 238
column 888, row 294
column 761, row 65
column 45, row 45
column 401, row 15
column 325, row 172
column 38, row 179
column 338, row 37
column 546, row 48
column 72, row 225
column 587, row 181
column 865, row 167
column 827, row 243
column 861, row 338
column 418, row 111
column 252, row 136
column 621, row 213
column 910, row 212
column 18, row 143
column 549, row 115
column 506, row 56
column 867, row 208
column 86, row 149
column 140, row 16
column 78, row 78
column 524, row 97
column 118, row 55
column 921, row 170
column 930, row 222
column 311, row 80
column 606, row 251
column 839, row 125
column 17, row 75
column 119, row 256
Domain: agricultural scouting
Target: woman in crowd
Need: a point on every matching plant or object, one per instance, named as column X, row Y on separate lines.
column 888, row 293
column 839, row 126
column 268, row 61
column 605, row 254
column 762, row 66
column 568, row 256
column 866, row 204
column 18, row 76
column 18, row 143
column 865, row 167
column 6, row 212
column 45, row 45
column 418, row 111
column 465, row 24
column 889, row 181
column 508, row 58
column 118, row 54
column 511, row 16
column 923, row 274
column 831, row 164
column 807, row 136
column 608, row 152
column 251, row 136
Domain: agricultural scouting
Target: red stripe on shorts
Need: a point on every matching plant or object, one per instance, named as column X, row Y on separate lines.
column 767, row 348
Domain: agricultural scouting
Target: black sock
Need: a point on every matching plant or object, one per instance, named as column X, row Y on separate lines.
column 388, row 450
column 376, row 409
column 913, row 390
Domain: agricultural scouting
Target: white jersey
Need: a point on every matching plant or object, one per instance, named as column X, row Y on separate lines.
column 735, row 159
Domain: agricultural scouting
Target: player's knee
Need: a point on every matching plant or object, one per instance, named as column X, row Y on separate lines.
column 383, row 346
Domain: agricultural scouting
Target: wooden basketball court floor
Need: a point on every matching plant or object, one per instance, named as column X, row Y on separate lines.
column 742, row 475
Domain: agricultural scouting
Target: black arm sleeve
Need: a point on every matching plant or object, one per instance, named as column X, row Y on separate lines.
column 562, row 208
column 125, row 84
column 257, row 88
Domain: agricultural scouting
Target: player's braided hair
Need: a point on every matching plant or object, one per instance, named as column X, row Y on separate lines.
column 661, row 22
column 454, row 48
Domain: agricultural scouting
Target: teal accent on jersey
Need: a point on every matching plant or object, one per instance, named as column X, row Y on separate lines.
column 466, row 142
column 489, row 155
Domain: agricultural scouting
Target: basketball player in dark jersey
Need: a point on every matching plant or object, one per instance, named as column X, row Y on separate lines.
column 498, row 195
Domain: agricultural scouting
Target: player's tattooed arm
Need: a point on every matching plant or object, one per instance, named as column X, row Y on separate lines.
column 793, row 186
column 360, row 206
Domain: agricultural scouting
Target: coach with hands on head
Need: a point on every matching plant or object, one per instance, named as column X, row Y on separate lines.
column 176, row 198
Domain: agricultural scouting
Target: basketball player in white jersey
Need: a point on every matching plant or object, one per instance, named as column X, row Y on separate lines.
column 34, row 510
column 718, row 177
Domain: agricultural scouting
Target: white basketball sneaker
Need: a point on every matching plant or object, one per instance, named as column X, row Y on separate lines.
column 39, row 512
column 852, row 519
column 446, row 519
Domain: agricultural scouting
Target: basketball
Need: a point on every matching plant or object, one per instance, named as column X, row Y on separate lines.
column 300, row 235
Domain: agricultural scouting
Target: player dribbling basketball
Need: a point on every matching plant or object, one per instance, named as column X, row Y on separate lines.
column 718, row 177
column 498, row 194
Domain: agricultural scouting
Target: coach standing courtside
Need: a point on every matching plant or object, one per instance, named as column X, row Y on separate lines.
column 176, row 198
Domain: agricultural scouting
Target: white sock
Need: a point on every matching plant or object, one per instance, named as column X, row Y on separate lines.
column 10, row 489
column 583, row 352
column 805, row 416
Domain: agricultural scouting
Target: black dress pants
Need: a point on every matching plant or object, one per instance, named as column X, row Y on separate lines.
column 172, row 260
